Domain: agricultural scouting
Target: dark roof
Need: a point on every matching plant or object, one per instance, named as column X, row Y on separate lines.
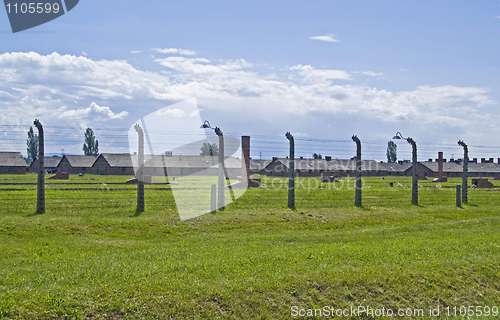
column 176, row 161
column 80, row 161
column 330, row 165
column 117, row 159
column 447, row 166
column 395, row 167
column 48, row 162
column 200, row 162
column 458, row 167
column 12, row 159
column 484, row 167
column 51, row 162
column 257, row 164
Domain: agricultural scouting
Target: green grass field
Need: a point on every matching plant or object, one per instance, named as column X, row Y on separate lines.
column 91, row 256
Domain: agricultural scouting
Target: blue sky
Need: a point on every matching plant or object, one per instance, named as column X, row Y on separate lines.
column 321, row 70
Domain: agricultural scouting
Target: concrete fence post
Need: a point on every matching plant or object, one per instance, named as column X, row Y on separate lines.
column 459, row 203
column 291, row 173
column 358, row 199
column 140, row 170
column 464, row 172
column 213, row 198
column 245, row 160
column 221, row 180
column 414, row 185
column 40, row 203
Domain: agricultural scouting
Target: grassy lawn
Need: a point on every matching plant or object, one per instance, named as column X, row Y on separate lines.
column 91, row 256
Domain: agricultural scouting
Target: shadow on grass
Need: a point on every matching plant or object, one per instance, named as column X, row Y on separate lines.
column 471, row 205
column 137, row 213
column 34, row 214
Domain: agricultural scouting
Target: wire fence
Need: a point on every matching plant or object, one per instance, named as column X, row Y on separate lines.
column 381, row 187
column 108, row 195
column 69, row 140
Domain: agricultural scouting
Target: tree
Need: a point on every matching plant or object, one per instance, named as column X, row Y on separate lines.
column 392, row 149
column 91, row 145
column 208, row 149
column 32, row 145
column 317, row 156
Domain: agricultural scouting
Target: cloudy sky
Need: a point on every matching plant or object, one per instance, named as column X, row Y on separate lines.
column 323, row 70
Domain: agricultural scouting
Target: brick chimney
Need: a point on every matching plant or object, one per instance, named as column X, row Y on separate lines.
column 245, row 158
column 474, row 160
column 491, row 160
column 483, row 160
column 430, row 160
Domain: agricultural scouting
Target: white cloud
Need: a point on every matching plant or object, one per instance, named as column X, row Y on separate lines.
column 497, row 17
column 372, row 74
column 137, row 51
column 201, row 65
column 176, row 50
column 176, row 113
column 312, row 74
column 74, row 78
column 5, row 96
column 94, row 112
column 196, row 113
column 61, row 87
column 327, row 38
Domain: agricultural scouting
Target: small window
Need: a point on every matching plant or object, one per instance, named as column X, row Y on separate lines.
column 124, row 169
column 84, row 169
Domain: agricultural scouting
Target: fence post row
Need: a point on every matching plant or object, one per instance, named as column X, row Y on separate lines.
column 40, row 202
column 291, row 172
column 358, row 199
column 462, row 196
column 140, row 170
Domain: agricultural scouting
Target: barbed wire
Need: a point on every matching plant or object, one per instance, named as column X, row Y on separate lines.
column 268, row 146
